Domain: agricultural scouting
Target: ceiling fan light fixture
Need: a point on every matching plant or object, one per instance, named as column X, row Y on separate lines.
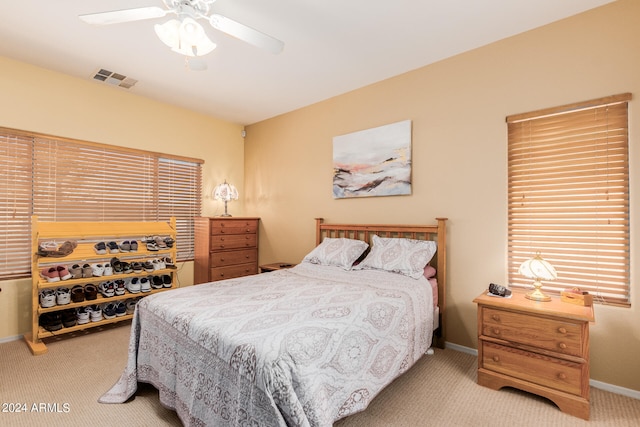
column 186, row 37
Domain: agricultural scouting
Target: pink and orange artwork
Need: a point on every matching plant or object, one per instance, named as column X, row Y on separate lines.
column 373, row 162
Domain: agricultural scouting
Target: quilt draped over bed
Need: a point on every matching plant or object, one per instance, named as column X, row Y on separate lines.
column 299, row 347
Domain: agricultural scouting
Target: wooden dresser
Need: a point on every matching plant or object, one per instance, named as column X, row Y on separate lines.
column 225, row 247
column 539, row 347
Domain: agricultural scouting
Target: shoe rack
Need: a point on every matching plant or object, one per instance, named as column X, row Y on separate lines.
column 87, row 234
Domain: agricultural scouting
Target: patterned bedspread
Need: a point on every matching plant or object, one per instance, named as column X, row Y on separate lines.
column 298, row 347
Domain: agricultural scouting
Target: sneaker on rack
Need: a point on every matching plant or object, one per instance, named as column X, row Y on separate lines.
column 51, row 274
column 119, row 287
column 63, row 272
column 156, row 282
column 113, row 247
column 47, row 298
column 109, row 310
column 125, row 246
column 82, row 314
column 97, row 269
column 76, row 271
column 121, row 309
column 134, row 285
column 95, row 313
column 133, row 245
column 147, row 266
column 166, row 280
column 131, row 305
column 90, row 292
column 69, row 318
column 107, row 289
column 87, row 271
column 63, row 296
column 168, row 261
column 145, row 286
column 77, row 293
column 51, row 321
column 108, row 270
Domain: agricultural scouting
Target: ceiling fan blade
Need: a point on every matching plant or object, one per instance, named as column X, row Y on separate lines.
column 246, row 34
column 125, row 15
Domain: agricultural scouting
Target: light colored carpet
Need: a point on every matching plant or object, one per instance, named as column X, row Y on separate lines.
column 440, row 390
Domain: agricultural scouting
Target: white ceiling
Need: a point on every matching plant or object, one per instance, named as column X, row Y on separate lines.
column 331, row 46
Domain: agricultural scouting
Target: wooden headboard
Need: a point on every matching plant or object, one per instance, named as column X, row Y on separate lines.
column 436, row 232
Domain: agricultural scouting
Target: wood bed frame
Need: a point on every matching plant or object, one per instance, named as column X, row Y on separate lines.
column 435, row 232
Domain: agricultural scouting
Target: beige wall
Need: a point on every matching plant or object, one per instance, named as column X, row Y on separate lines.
column 42, row 101
column 458, row 108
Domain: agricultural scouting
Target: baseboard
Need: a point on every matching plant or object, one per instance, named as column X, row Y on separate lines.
column 9, row 339
column 635, row 394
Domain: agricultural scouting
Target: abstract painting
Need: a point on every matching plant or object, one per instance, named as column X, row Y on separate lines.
column 373, row 162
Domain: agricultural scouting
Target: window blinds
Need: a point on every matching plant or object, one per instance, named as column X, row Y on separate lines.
column 568, row 196
column 66, row 180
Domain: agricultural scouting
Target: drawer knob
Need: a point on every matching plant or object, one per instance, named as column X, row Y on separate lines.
column 562, row 345
column 496, row 331
column 495, row 317
column 496, row 359
column 221, row 246
column 562, row 376
column 248, row 230
column 562, row 330
column 221, row 259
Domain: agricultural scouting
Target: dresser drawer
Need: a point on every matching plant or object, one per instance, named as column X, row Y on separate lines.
column 234, row 227
column 228, row 258
column 233, row 241
column 557, row 335
column 220, row 273
column 532, row 367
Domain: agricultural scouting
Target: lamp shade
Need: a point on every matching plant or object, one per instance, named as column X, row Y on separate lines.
column 538, row 269
column 225, row 191
column 186, row 37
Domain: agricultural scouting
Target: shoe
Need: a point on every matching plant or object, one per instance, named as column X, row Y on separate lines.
column 97, row 270
column 134, row 285
column 87, row 271
column 100, row 248
column 121, row 309
column 148, row 267
column 51, row 274
column 109, row 310
column 126, row 268
column 153, row 247
column 131, row 305
column 137, row 267
column 63, row 272
column 51, row 321
column 125, row 246
column 82, row 315
column 63, row 296
column 156, row 264
column 116, row 265
column 168, row 262
column 76, row 271
column 107, row 289
column 133, row 246
column 156, row 282
column 119, row 287
column 166, row 280
column 169, row 241
column 47, row 298
column 69, row 318
column 145, row 285
column 113, row 247
column 90, row 292
column 108, row 270
column 77, row 293
column 95, row 313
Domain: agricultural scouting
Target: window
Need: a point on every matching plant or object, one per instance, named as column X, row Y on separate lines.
column 568, row 196
column 59, row 179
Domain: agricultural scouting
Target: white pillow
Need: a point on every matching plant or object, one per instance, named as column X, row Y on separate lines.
column 340, row 252
column 404, row 256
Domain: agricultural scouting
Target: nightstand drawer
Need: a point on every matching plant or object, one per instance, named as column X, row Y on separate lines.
column 532, row 367
column 233, row 241
column 227, row 258
column 550, row 334
column 230, row 272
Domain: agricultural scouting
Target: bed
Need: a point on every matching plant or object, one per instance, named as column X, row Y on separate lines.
column 295, row 347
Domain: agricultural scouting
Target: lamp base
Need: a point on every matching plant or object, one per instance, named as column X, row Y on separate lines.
column 225, row 215
column 536, row 294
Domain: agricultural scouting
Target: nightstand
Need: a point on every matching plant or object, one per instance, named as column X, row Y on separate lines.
column 275, row 266
column 539, row 347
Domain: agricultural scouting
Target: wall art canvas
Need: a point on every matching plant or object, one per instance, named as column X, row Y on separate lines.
column 373, row 162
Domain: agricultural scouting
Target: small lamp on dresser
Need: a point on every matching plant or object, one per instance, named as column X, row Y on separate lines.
column 226, row 192
column 537, row 269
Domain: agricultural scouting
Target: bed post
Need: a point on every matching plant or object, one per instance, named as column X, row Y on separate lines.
column 318, row 232
column 441, row 274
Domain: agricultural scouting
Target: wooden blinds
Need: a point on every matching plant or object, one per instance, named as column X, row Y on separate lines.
column 568, row 196
column 60, row 179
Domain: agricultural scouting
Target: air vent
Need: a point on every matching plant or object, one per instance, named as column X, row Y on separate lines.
column 114, row 79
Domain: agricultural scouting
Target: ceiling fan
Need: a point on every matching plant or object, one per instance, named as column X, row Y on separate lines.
column 185, row 35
